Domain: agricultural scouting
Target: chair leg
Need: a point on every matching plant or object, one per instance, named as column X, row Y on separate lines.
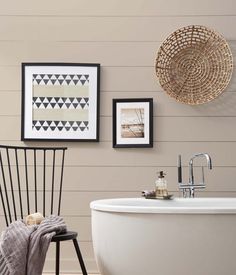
column 79, row 255
column 57, row 258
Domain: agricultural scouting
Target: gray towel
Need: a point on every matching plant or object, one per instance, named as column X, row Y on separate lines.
column 23, row 248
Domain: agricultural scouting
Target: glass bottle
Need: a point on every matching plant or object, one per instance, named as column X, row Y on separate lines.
column 161, row 185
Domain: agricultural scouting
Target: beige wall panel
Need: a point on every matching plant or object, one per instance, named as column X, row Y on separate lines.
column 107, row 53
column 77, row 203
column 130, row 179
column 80, row 224
column 118, row 8
column 194, row 129
column 12, row 53
column 10, row 103
column 12, row 128
column 10, row 78
column 136, row 179
column 111, row 178
column 107, row 28
column 163, row 154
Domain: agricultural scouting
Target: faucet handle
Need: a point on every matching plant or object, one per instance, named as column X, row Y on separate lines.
column 187, row 186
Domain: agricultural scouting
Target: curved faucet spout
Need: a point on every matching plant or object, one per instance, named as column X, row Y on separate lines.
column 191, row 177
column 207, row 157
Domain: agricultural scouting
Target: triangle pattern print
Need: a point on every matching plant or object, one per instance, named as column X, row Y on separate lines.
column 61, row 79
column 49, row 125
column 60, row 102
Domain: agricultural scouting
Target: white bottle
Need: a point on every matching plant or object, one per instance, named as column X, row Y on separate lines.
column 161, row 185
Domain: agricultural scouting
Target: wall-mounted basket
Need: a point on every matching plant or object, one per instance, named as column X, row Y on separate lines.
column 194, row 65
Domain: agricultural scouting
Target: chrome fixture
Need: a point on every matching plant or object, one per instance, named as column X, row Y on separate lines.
column 189, row 189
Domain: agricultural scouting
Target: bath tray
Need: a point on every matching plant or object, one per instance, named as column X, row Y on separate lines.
column 168, row 197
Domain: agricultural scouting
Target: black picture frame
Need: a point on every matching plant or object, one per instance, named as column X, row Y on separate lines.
column 60, row 102
column 132, row 122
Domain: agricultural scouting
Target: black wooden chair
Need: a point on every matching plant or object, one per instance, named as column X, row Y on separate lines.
column 31, row 181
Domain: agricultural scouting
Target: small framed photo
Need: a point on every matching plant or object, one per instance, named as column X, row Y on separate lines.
column 133, row 123
column 60, row 101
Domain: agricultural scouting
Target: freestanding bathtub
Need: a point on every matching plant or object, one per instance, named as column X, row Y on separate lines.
column 182, row 236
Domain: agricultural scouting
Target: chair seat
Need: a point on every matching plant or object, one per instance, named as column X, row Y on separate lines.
column 69, row 235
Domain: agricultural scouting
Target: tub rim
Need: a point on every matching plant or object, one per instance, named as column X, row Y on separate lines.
column 192, row 206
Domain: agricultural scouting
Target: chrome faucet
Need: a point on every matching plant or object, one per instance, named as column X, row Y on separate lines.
column 191, row 186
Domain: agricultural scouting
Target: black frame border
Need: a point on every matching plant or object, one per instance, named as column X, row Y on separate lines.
column 25, row 64
column 114, row 122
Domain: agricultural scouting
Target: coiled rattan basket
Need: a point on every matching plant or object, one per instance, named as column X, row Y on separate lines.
column 194, row 65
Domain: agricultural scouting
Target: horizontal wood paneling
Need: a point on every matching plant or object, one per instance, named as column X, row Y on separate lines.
column 12, row 53
column 124, row 39
column 130, row 179
column 118, row 8
column 107, row 28
column 162, row 154
column 110, row 53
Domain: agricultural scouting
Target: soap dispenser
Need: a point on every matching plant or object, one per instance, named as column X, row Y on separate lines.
column 161, row 185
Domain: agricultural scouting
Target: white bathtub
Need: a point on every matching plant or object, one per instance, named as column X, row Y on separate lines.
column 152, row 237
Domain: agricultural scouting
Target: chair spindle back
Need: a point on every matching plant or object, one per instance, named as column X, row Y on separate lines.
column 30, row 180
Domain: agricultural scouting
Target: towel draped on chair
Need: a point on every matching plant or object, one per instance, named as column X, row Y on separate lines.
column 23, row 248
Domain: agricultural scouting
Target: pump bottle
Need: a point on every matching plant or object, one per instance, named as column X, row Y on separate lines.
column 161, row 185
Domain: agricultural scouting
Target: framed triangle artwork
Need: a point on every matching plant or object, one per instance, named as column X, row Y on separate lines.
column 60, row 101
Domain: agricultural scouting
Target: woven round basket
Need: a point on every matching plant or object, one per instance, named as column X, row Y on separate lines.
column 194, row 65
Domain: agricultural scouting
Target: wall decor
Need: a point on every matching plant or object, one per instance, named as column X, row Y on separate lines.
column 60, row 101
column 194, row 64
column 133, row 122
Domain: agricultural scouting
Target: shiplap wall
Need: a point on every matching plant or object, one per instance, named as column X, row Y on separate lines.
column 123, row 36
